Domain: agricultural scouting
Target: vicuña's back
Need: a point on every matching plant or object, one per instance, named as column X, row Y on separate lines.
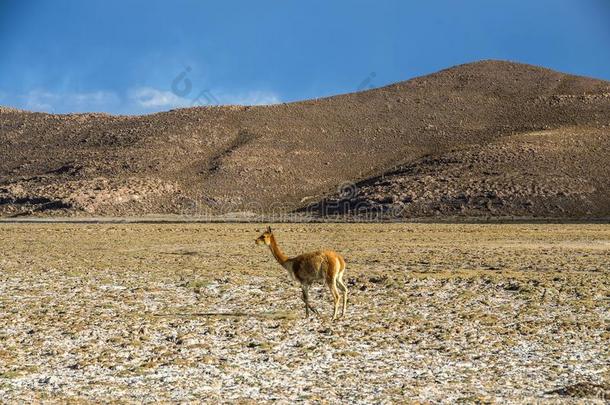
column 325, row 265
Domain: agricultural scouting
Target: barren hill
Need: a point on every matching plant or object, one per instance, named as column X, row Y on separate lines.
column 489, row 138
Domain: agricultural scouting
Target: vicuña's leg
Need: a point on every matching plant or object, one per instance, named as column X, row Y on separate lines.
column 305, row 290
column 343, row 289
column 332, row 284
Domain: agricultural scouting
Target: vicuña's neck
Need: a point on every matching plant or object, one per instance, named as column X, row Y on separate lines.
column 277, row 252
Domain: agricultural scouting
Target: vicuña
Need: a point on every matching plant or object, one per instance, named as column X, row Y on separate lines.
column 323, row 265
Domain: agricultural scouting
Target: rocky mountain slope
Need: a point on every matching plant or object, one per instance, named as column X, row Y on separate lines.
column 486, row 139
column 552, row 173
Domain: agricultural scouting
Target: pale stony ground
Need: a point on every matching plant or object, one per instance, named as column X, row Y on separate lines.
column 177, row 312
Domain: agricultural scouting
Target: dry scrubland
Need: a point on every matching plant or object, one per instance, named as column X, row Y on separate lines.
column 511, row 313
column 483, row 139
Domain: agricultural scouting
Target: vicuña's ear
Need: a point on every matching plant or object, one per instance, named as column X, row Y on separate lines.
column 269, row 229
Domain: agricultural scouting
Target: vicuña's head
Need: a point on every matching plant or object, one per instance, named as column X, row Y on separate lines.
column 265, row 237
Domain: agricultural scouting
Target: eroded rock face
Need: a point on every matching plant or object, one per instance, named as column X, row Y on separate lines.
column 467, row 135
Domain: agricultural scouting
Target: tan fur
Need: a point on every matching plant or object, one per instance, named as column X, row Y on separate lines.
column 322, row 265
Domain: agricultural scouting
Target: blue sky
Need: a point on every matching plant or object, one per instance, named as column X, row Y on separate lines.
column 141, row 56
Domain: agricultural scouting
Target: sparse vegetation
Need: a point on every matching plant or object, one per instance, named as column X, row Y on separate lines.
column 507, row 313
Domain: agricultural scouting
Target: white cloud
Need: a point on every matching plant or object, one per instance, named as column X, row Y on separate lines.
column 98, row 97
column 148, row 97
column 249, row 98
column 41, row 100
column 137, row 100
column 38, row 100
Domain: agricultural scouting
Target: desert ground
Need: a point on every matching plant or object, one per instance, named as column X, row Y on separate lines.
column 507, row 313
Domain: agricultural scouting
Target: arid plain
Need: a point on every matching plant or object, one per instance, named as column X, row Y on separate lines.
column 196, row 312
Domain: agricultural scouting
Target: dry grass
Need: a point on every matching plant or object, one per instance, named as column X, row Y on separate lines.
column 515, row 313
